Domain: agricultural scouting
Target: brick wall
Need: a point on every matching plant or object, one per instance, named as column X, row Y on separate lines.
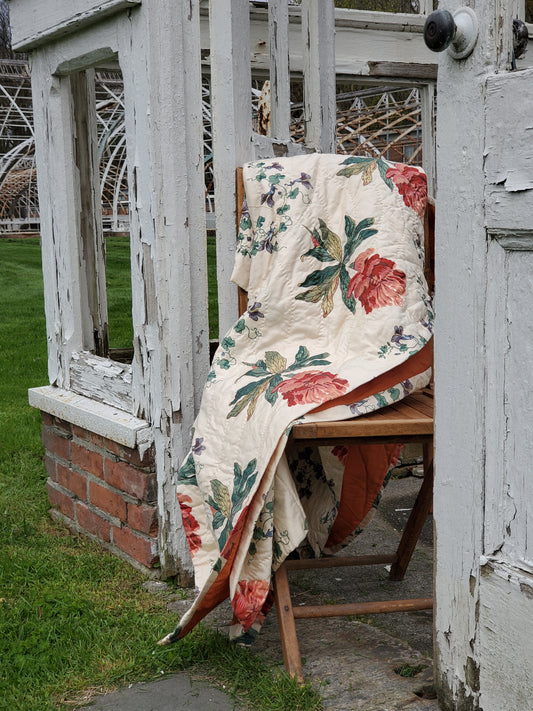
column 103, row 490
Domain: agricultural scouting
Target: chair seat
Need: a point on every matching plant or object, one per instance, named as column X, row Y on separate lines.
column 410, row 419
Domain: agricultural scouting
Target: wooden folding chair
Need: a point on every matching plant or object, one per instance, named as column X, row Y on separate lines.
column 407, row 421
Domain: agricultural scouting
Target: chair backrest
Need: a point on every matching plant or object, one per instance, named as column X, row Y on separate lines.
column 429, row 238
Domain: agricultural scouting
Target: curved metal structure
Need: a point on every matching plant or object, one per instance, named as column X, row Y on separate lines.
column 377, row 121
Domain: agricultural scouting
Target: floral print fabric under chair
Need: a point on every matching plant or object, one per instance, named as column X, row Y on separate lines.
column 339, row 322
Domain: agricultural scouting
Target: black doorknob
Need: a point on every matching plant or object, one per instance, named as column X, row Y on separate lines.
column 439, row 30
column 457, row 32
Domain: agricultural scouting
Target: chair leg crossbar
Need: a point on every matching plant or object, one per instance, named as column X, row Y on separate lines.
column 287, row 614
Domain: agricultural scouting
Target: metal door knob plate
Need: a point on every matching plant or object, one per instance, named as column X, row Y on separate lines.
column 457, row 33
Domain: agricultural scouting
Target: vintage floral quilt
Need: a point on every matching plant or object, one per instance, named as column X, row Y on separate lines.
column 339, row 322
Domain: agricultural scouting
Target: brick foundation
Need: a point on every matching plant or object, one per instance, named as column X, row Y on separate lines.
column 103, row 490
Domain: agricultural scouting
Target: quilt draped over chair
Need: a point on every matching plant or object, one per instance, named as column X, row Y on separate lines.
column 339, row 322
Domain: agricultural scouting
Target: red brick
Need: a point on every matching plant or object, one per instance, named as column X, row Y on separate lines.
column 131, row 455
column 72, row 481
column 136, row 546
column 113, row 447
column 63, row 426
column 140, row 484
column 55, row 443
column 82, row 433
column 88, row 460
column 143, row 518
column 93, row 523
column 50, row 464
column 107, row 500
column 60, row 501
column 47, row 419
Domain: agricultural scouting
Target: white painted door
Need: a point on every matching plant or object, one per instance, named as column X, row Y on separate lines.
column 484, row 372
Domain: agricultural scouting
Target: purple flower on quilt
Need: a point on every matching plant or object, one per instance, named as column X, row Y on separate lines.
column 274, row 166
column 254, row 312
column 355, row 407
column 428, row 325
column 304, row 180
column 198, row 447
column 407, row 386
column 398, row 336
column 267, row 243
column 269, row 197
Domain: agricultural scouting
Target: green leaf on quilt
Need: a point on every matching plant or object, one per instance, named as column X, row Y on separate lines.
column 364, row 165
column 394, row 393
column 221, row 497
column 258, row 533
column 350, row 301
column 321, row 276
column 224, row 363
column 271, row 396
column 294, row 193
column 330, row 241
column 356, row 234
column 283, row 209
column 383, row 168
column 275, row 179
column 243, row 485
column 382, row 402
column 239, row 326
column 275, row 362
column 319, row 253
column 218, row 517
column 260, row 221
column 302, row 355
column 246, row 223
column 327, row 302
column 354, row 159
column 187, row 473
column 319, row 359
column 258, row 369
column 260, row 389
column 218, row 566
column 252, row 548
column 227, row 343
column 260, row 176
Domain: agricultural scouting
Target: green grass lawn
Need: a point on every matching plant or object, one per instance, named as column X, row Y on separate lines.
column 72, row 617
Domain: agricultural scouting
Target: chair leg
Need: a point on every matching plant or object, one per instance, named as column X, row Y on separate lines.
column 419, row 513
column 287, row 626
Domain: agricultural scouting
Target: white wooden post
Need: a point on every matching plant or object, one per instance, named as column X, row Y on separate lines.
column 280, row 83
column 318, row 39
column 162, row 87
column 427, row 103
column 229, row 23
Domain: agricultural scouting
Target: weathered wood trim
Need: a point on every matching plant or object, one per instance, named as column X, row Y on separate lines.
column 318, row 41
column 232, row 133
column 48, row 22
column 102, row 379
column 92, row 416
column 509, row 352
column 403, row 70
column 92, row 245
column 280, row 85
column 429, row 142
